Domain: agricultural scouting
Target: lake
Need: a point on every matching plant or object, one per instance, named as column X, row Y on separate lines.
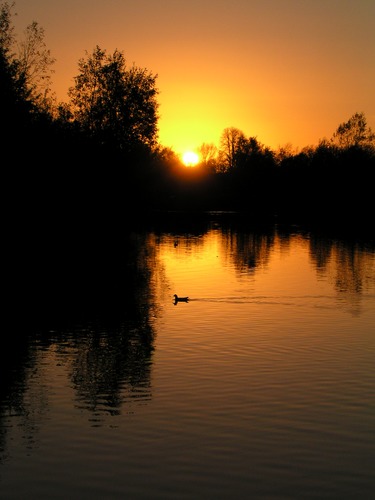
column 261, row 385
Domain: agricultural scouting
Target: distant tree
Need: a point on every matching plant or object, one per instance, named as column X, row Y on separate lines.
column 247, row 148
column 354, row 132
column 114, row 104
column 35, row 66
column 256, row 169
column 230, row 140
column 167, row 162
column 208, row 153
column 285, row 152
column 252, row 156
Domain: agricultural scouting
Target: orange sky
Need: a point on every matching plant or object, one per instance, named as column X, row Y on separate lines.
column 285, row 71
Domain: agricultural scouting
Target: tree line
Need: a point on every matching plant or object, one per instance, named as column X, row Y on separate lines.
column 99, row 154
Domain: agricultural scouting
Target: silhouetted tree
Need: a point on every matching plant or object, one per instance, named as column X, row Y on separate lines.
column 13, row 92
column 34, row 67
column 24, row 86
column 208, row 153
column 254, row 175
column 114, row 104
column 354, row 132
column 6, row 41
column 285, row 152
column 229, row 144
column 251, row 154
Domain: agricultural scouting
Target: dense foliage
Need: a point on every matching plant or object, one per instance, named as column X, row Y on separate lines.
column 115, row 105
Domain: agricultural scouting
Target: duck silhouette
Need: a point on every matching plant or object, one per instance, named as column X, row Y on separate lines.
column 180, row 299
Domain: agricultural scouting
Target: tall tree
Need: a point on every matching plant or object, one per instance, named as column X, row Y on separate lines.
column 115, row 104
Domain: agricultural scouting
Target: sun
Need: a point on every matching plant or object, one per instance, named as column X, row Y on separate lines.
column 190, row 158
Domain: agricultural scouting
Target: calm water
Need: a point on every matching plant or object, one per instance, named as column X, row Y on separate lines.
column 261, row 386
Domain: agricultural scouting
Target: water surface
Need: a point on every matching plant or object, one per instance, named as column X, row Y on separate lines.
column 262, row 385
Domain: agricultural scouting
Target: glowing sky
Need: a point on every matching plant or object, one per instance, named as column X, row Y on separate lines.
column 285, row 71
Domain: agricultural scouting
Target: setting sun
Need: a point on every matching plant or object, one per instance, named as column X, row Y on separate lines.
column 190, row 158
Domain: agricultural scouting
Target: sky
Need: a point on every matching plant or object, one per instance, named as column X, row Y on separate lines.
column 283, row 71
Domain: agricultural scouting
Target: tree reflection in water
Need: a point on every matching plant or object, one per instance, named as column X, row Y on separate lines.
column 345, row 261
column 111, row 357
column 348, row 266
column 113, row 367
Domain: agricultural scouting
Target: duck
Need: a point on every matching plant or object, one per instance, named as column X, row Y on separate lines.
column 180, row 299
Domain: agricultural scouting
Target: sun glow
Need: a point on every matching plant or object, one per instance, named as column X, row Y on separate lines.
column 190, row 159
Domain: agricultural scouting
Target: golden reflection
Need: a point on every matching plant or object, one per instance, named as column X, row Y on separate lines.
column 349, row 268
column 276, row 264
column 258, row 299
column 248, row 250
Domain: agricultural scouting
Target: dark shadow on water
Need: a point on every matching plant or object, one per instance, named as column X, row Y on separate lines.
column 86, row 296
